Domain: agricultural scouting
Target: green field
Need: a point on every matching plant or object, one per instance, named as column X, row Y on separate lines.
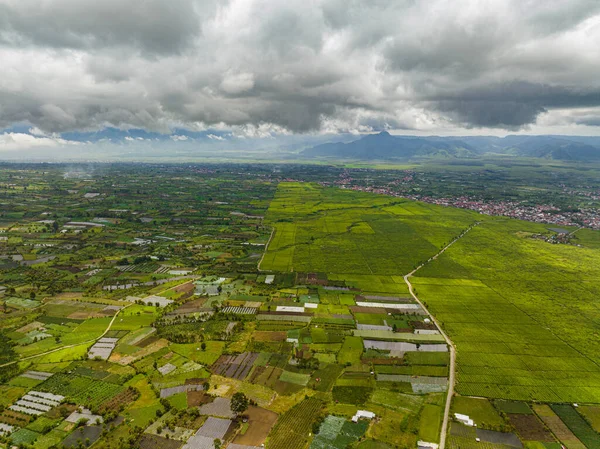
column 293, row 427
column 352, row 233
column 481, row 411
column 521, row 312
column 431, row 421
column 518, row 299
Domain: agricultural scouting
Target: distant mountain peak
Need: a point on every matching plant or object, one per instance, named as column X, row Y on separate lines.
column 383, row 146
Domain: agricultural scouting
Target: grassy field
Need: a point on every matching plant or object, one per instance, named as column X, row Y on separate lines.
column 352, row 233
column 351, row 350
column 522, row 313
column 481, row 411
column 431, row 421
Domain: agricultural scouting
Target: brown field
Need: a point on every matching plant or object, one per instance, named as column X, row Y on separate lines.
column 359, row 309
column 191, row 306
column 197, row 398
column 260, row 423
column 187, row 287
column 530, row 428
column 270, row 336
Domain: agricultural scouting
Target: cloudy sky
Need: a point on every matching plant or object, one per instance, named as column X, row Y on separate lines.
column 253, row 69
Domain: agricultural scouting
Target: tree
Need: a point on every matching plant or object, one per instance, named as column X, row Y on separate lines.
column 239, row 403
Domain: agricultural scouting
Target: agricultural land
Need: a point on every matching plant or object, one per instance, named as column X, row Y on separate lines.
column 239, row 306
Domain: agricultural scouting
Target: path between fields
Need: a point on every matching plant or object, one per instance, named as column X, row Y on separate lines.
column 69, row 346
column 266, row 248
column 451, row 377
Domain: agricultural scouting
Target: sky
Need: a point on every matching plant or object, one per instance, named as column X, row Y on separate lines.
column 241, row 70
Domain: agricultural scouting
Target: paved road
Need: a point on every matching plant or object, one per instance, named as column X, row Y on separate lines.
column 70, row 346
column 452, row 376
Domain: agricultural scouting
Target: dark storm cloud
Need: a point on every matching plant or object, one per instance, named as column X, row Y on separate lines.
column 297, row 66
column 512, row 105
column 153, row 26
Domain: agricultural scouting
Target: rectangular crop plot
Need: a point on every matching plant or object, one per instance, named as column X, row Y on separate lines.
column 558, row 428
column 241, row 310
column 578, row 425
column 168, row 392
column 530, row 428
column 36, row 375
column 294, row 378
column 291, row 431
column 219, row 407
column 398, row 346
column 235, row 366
column 214, row 428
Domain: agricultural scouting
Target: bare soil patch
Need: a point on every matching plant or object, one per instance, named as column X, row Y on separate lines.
column 191, row 306
column 359, row 309
column 197, row 398
column 530, row 428
column 260, row 422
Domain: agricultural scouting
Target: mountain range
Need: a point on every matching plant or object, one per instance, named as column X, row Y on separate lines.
column 384, row 146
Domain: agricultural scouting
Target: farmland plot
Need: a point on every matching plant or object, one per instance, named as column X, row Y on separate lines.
column 316, row 231
column 520, row 312
column 291, row 431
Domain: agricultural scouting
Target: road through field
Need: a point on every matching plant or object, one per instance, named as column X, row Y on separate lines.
column 69, row 346
column 452, row 376
column 266, row 248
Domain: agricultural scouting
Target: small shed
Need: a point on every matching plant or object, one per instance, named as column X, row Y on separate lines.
column 363, row 414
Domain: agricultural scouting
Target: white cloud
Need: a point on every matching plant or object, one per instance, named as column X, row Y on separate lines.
column 21, row 141
column 237, row 83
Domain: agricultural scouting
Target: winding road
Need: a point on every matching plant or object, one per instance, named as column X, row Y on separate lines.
column 452, row 376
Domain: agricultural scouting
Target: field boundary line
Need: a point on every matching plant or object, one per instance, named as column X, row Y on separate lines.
column 266, row 248
column 452, row 373
column 69, row 346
